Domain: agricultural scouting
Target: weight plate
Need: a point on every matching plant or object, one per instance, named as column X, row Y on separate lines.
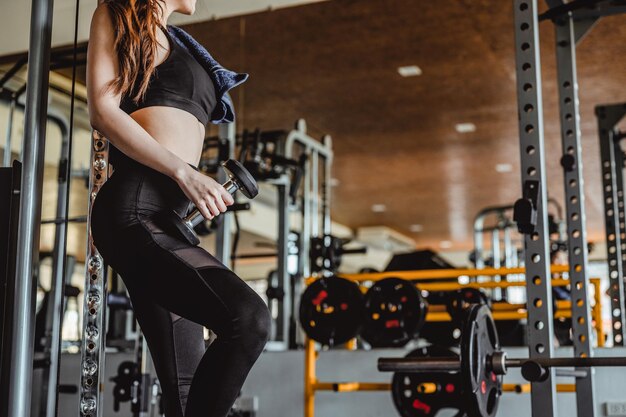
column 331, row 310
column 395, row 311
column 481, row 387
column 442, row 333
column 459, row 299
column 425, row 394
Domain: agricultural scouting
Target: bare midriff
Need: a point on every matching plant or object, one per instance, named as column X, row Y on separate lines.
column 177, row 130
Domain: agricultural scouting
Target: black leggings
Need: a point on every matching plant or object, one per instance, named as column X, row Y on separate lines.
column 176, row 289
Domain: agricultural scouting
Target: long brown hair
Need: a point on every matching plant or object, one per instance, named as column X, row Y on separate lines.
column 135, row 23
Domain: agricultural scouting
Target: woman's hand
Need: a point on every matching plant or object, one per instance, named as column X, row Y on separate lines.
column 210, row 197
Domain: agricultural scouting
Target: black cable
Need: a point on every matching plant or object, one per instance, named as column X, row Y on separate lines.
column 68, row 183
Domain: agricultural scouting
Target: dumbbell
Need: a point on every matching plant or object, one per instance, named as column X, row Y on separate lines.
column 239, row 178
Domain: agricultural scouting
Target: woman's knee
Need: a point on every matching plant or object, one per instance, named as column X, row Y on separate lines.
column 255, row 322
column 260, row 324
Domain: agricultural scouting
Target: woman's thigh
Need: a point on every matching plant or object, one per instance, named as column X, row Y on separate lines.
column 185, row 279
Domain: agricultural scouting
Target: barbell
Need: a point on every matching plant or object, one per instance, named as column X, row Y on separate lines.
column 482, row 364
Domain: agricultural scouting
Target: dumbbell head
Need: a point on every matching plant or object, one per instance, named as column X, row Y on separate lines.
column 241, row 177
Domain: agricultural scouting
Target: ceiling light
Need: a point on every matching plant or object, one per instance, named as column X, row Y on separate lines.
column 445, row 244
column 334, row 182
column 465, row 127
column 502, row 168
column 379, row 208
column 410, row 71
column 416, row 228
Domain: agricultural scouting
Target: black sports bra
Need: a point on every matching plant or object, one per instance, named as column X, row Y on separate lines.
column 180, row 82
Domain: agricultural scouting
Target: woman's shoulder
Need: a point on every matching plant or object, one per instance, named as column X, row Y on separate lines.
column 102, row 18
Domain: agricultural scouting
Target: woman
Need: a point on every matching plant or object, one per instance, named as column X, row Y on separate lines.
column 151, row 97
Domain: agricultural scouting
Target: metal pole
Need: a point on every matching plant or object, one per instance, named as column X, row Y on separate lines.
column 284, row 279
column 608, row 117
column 54, row 315
column 538, row 287
column 21, row 367
column 327, row 197
column 223, row 236
column 6, row 157
column 566, row 35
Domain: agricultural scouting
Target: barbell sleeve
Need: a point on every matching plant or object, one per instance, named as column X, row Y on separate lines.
column 568, row 362
column 419, row 365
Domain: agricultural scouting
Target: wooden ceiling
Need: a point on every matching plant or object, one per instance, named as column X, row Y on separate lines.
column 335, row 64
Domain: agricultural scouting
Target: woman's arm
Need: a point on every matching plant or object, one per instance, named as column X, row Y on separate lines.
column 129, row 136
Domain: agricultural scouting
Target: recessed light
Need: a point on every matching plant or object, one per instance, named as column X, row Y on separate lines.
column 416, row 228
column 465, row 127
column 445, row 244
column 334, row 182
column 502, row 168
column 410, row 71
column 379, row 208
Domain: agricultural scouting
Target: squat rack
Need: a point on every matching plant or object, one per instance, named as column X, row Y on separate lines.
column 572, row 21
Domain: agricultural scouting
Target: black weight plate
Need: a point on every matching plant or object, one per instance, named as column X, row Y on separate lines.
column 331, row 310
column 245, row 180
column 459, row 299
column 426, row 394
column 481, row 387
column 442, row 333
column 395, row 311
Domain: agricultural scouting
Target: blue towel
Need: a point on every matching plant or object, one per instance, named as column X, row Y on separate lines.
column 223, row 78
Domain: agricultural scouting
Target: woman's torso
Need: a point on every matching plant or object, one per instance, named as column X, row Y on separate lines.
column 178, row 119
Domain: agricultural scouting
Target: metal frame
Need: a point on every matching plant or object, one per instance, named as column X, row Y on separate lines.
column 20, row 371
column 538, row 288
column 54, row 315
column 612, row 181
column 223, row 235
column 311, row 210
column 568, row 32
column 94, row 304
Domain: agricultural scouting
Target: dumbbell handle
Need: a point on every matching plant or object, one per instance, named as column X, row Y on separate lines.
column 195, row 217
